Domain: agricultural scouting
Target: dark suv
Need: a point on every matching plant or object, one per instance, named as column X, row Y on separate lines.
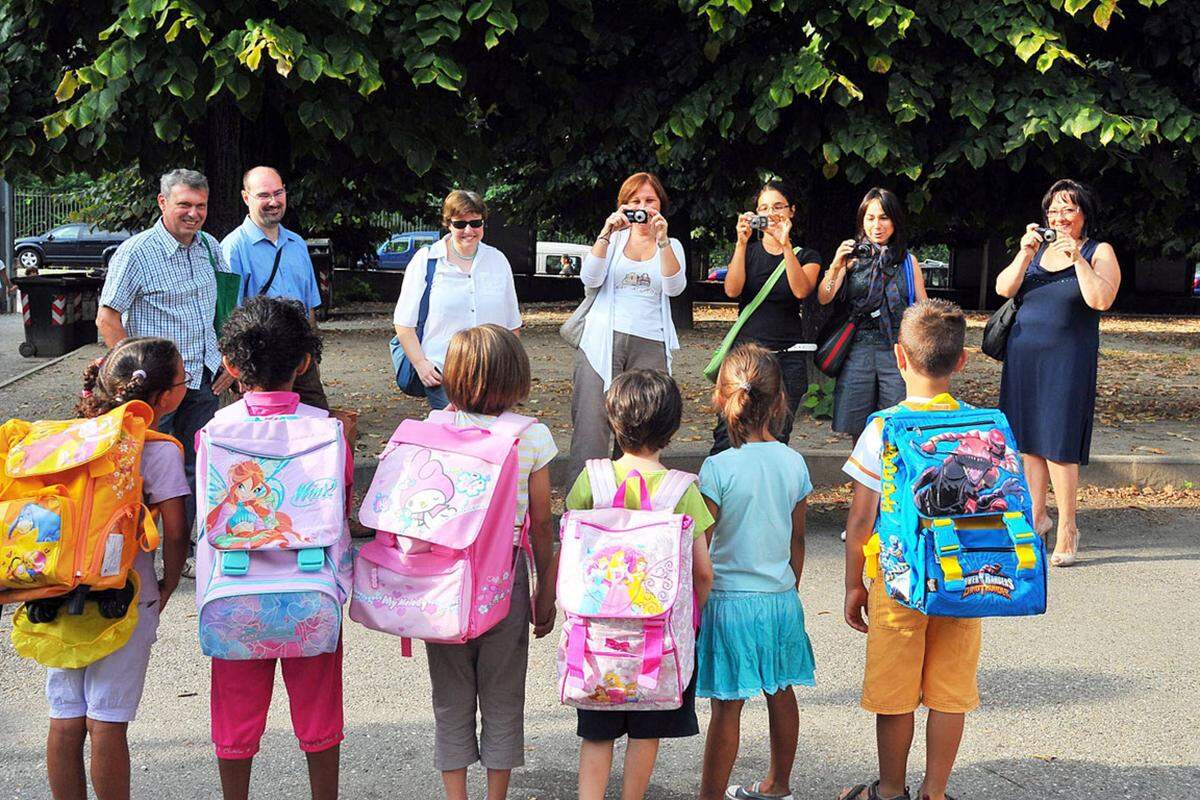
column 73, row 245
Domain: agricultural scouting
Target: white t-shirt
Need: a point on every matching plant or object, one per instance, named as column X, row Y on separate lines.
column 638, row 296
column 535, row 450
column 163, row 479
column 458, row 300
column 865, row 464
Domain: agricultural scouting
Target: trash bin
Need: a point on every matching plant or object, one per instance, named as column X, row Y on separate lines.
column 54, row 307
column 321, row 253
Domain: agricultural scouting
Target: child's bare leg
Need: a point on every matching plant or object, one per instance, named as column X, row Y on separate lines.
column 110, row 759
column 454, row 781
column 235, row 777
column 595, row 764
column 893, row 736
column 720, row 748
column 323, row 773
column 640, row 755
column 783, row 717
column 497, row 783
column 64, row 759
column 942, row 736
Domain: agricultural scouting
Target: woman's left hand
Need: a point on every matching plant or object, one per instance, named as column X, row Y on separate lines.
column 1067, row 246
column 781, row 231
column 658, row 224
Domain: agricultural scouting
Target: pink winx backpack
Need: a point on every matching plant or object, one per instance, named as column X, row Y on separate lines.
column 442, row 502
column 625, row 583
column 273, row 549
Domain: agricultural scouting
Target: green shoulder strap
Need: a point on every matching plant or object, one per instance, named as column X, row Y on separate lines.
column 714, row 364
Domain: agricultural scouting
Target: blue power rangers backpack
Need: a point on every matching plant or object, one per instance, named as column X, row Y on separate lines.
column 954, row 536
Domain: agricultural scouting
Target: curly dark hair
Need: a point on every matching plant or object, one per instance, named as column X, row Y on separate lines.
column 138, row 368
column 266, row 340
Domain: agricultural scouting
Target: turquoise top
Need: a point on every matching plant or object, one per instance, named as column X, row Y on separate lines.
column 756, row 486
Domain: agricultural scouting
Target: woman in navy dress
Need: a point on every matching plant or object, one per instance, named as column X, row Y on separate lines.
column 1048, row 386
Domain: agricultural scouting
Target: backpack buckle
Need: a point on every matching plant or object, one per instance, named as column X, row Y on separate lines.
column 947, row 547
column 1023, row 539
column 310, row 559
column 235, row 562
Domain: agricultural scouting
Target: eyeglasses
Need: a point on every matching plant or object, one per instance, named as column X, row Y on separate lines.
column 187, row 378
column 278, row 194
column 1065, row 211
column 460, row 224
column 778, row 207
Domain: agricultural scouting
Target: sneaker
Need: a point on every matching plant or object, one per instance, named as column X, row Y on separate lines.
column 750, row 792
column 189, row 567
column 843, row 536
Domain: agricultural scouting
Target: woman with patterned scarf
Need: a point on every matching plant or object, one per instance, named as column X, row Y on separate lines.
column 877, row 289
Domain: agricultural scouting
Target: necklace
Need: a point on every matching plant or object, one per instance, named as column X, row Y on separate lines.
column 469, row 259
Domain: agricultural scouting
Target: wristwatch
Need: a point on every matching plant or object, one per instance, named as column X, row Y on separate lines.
column 663, row 245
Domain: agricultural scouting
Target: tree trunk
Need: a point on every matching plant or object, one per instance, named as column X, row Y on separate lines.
column 222, row 166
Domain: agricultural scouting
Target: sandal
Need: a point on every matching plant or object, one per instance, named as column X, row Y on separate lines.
column 751, row 792
column 1066, row 558
column 864, row 792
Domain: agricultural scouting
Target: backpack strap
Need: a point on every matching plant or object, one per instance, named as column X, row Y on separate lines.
column 603, row 480
column 510, row 424
column 671, row 490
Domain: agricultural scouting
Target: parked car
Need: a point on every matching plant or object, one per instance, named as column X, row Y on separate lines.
column 560, row 259
column 398, row 250
column 76, row 244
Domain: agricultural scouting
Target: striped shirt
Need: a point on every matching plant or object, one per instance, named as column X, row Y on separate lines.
column 161, row 288
column 536, row 449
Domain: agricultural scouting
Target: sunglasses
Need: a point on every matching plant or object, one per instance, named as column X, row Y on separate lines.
column 460, row 224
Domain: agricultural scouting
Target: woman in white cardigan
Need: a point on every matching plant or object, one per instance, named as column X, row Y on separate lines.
column 637, row 268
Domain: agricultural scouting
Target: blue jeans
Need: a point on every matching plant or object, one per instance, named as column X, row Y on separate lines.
column 436, row 395
column 869, row 381
column 194, row 413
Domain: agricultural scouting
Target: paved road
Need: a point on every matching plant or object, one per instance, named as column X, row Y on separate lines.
column 12, row 333
column 1096, row 699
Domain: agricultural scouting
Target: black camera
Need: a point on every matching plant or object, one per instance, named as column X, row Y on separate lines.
column 1048, row 234
column 863, row 251
column 637, row 215
column 759, row 222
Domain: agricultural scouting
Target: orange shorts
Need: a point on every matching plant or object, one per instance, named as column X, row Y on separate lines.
column 914, row 659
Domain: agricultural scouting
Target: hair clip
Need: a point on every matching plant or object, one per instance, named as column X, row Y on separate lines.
column 745, row 386
column 139, row 373
column 86, row 393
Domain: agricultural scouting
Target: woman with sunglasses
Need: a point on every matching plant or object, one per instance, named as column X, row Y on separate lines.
column 472, row 284
column 1063, row 278
column 634, row 268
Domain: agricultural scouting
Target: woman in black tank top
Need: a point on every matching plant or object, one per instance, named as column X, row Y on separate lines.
column 1048, row 386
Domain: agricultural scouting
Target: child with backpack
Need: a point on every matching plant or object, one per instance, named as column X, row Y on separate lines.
column 101, row 699
column 912, row 659
column 486, row 375
column 752, row 636
column 644, row 409
column 265, row 344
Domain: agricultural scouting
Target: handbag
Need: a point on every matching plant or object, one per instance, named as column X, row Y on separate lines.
column 229, row 289
column 572, row 330
column 407, row 378
column 999, row 325
column 837, row 334
column 714, row 363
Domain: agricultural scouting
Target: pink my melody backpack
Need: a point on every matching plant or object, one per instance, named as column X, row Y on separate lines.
column 273, row 546
column 442, row 503
column 625, row 582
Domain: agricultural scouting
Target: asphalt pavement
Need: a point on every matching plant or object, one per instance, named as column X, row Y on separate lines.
column 1097, row 699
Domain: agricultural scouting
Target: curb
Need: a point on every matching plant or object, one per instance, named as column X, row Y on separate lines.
column 825, row 469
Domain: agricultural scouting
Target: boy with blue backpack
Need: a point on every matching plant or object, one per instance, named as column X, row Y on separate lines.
column 941, row 522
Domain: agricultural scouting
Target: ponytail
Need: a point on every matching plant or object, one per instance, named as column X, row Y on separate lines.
column 749, row 394
column 135, row 369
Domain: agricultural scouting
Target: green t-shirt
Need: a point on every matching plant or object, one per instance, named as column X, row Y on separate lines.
column 692, row 503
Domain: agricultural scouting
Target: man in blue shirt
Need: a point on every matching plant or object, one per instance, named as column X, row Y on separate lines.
column 274, row 261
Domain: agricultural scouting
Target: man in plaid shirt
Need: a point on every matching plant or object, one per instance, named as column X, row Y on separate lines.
column 161, row 283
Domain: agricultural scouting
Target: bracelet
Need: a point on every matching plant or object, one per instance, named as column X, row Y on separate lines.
column 602, row 239
column 663, row 245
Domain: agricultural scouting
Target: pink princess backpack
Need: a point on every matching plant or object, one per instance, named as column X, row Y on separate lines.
column 625, row 582
column 273, row 547
column 442, row 503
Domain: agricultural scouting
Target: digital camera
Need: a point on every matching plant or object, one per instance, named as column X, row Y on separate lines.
column 1048, row 234
column 637, row 215
column 759, row 222
column 863, row 251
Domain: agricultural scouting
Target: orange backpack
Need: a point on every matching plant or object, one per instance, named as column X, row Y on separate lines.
column 71, row 510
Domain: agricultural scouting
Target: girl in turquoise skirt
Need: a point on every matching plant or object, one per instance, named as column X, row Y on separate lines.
column 752, row 638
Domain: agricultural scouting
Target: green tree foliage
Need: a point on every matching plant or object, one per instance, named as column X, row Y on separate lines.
column 968, row 108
